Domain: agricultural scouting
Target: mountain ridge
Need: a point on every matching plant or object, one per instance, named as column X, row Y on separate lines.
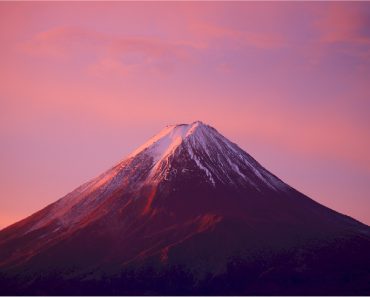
column 190, row 200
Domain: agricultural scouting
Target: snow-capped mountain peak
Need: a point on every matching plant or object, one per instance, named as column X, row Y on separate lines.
column 193, row 151
column 220, row 160
column 187, row 197
column 167, row 140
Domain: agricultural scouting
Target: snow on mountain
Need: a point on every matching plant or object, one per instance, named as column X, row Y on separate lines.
column 187, row 198
column 221, row 161
column 219, row 158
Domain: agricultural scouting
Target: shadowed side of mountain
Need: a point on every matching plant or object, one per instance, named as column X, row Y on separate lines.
column 188, row 212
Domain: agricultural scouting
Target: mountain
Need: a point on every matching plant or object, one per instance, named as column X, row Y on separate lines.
column 189, row 212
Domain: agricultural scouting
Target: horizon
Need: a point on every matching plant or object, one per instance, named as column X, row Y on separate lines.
column 83, row 85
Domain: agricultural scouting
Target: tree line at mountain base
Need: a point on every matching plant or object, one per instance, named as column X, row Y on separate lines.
column 283, row 276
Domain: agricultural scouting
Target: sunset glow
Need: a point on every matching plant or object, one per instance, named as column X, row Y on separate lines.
column 84, row 84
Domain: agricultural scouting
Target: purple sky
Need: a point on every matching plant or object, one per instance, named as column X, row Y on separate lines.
column 83, row 84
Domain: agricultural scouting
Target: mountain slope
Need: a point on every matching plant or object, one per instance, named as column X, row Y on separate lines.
column 193, row 204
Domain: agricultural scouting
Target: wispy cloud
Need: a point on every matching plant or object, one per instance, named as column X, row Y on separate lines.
column 123, row 55
column 62, row 41
column 241, row 38
column 340, row 22
column 118, row 54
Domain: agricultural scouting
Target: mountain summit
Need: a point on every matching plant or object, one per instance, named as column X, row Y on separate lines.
column 188, row 212
column 219, row 159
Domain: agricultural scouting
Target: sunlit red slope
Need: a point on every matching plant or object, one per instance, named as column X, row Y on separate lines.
column 187, row 198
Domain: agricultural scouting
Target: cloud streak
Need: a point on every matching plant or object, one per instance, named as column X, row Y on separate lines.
column 120, row 55
column 343, row 22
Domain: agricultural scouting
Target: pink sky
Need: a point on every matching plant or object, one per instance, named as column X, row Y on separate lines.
column 83, row 84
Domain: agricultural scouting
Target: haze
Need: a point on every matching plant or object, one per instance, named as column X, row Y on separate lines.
column 83, row 84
